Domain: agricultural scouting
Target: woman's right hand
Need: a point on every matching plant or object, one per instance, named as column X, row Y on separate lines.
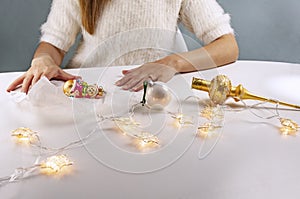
column 43, row 65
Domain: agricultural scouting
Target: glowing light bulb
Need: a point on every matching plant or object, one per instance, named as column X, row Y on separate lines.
column 56, row 163
column 126, row 121
column 147, row 139
column 289, row 127
column 132, row 128
column 183, row 119
column 24, row 135
column 128, row 126
column 212, row 112
column 207, row 130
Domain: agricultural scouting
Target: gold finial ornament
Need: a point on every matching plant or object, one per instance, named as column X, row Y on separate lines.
column 220, row 88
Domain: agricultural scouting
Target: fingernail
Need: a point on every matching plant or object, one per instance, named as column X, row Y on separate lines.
column 125, row 71
column 125, row 88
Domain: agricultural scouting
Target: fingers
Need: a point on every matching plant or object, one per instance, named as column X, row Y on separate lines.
column 123, row 80
column 36, row 78
column 15, row 83
column 133, row 84
column 133, row 79
column 129, row 75
column 66, row 76
column 124, row 72
column 26, row 83
column 40, row 66
column 58, row 73
column 32, row 76
column 139, row 86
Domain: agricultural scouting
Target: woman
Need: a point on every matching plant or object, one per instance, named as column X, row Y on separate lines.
column 99, row 20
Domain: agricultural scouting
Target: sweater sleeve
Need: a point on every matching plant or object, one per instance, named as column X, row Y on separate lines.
column 205, row 18
column 62, row 25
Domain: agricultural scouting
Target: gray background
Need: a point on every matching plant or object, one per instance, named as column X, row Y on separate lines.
column 265, row 30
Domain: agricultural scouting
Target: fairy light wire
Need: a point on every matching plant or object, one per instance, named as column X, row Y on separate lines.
column 214, row 124
column 22, row 172
column 288, row 126
column 53, row 163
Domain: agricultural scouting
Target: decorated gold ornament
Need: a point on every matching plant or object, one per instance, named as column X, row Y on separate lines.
column 80, row 89
column 220, row 88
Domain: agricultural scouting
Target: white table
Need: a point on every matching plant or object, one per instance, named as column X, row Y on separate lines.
column 250, row 160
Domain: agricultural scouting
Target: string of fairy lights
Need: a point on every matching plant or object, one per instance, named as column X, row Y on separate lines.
column 155, row 94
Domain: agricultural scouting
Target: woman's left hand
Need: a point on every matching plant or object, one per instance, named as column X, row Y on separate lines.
column 161, row 70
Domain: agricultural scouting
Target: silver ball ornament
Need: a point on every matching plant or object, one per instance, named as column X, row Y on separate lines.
column 158, row 95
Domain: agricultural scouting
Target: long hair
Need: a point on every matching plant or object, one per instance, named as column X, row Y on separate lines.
column 90, row 13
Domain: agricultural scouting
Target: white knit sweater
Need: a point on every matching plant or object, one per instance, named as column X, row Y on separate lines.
column 133, row 31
